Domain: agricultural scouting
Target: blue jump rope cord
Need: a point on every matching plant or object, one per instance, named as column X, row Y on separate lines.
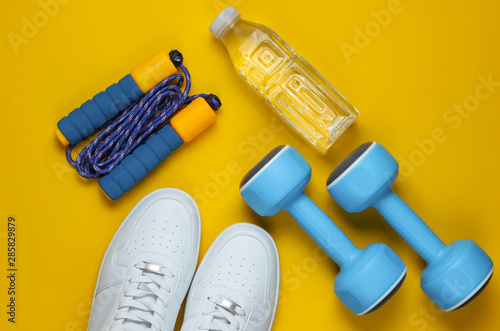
column 134, row 125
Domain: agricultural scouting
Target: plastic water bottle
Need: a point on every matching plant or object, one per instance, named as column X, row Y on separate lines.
column 300, row 94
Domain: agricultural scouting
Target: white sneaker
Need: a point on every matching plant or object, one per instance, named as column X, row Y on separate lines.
column 236, row 285
column 149, row 265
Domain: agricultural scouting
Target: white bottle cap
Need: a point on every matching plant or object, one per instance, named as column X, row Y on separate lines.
column 221, row 22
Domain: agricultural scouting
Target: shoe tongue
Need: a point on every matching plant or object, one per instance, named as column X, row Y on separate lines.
column 147, row 299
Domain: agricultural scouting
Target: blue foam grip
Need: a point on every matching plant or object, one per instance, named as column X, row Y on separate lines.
column 143, row 160
column 94, row 113
column 322, row 230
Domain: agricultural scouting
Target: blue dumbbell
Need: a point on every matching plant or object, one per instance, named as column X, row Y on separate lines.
column 369, row 276
column 456, row 273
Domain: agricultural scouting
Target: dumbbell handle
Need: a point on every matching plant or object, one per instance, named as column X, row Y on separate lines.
column 322, row 230
column 143, row 160
column 409, row 226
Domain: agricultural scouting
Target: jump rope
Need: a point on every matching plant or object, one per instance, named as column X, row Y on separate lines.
column 122, row 135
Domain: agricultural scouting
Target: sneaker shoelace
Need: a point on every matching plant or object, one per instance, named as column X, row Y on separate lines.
column 225, row 315
column 145, row 302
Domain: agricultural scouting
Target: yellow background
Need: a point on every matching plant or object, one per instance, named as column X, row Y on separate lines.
column 404, row 79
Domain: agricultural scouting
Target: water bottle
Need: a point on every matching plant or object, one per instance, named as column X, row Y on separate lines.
column 298, row 93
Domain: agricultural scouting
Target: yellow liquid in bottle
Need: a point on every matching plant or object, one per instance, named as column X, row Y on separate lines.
column 298, row 93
